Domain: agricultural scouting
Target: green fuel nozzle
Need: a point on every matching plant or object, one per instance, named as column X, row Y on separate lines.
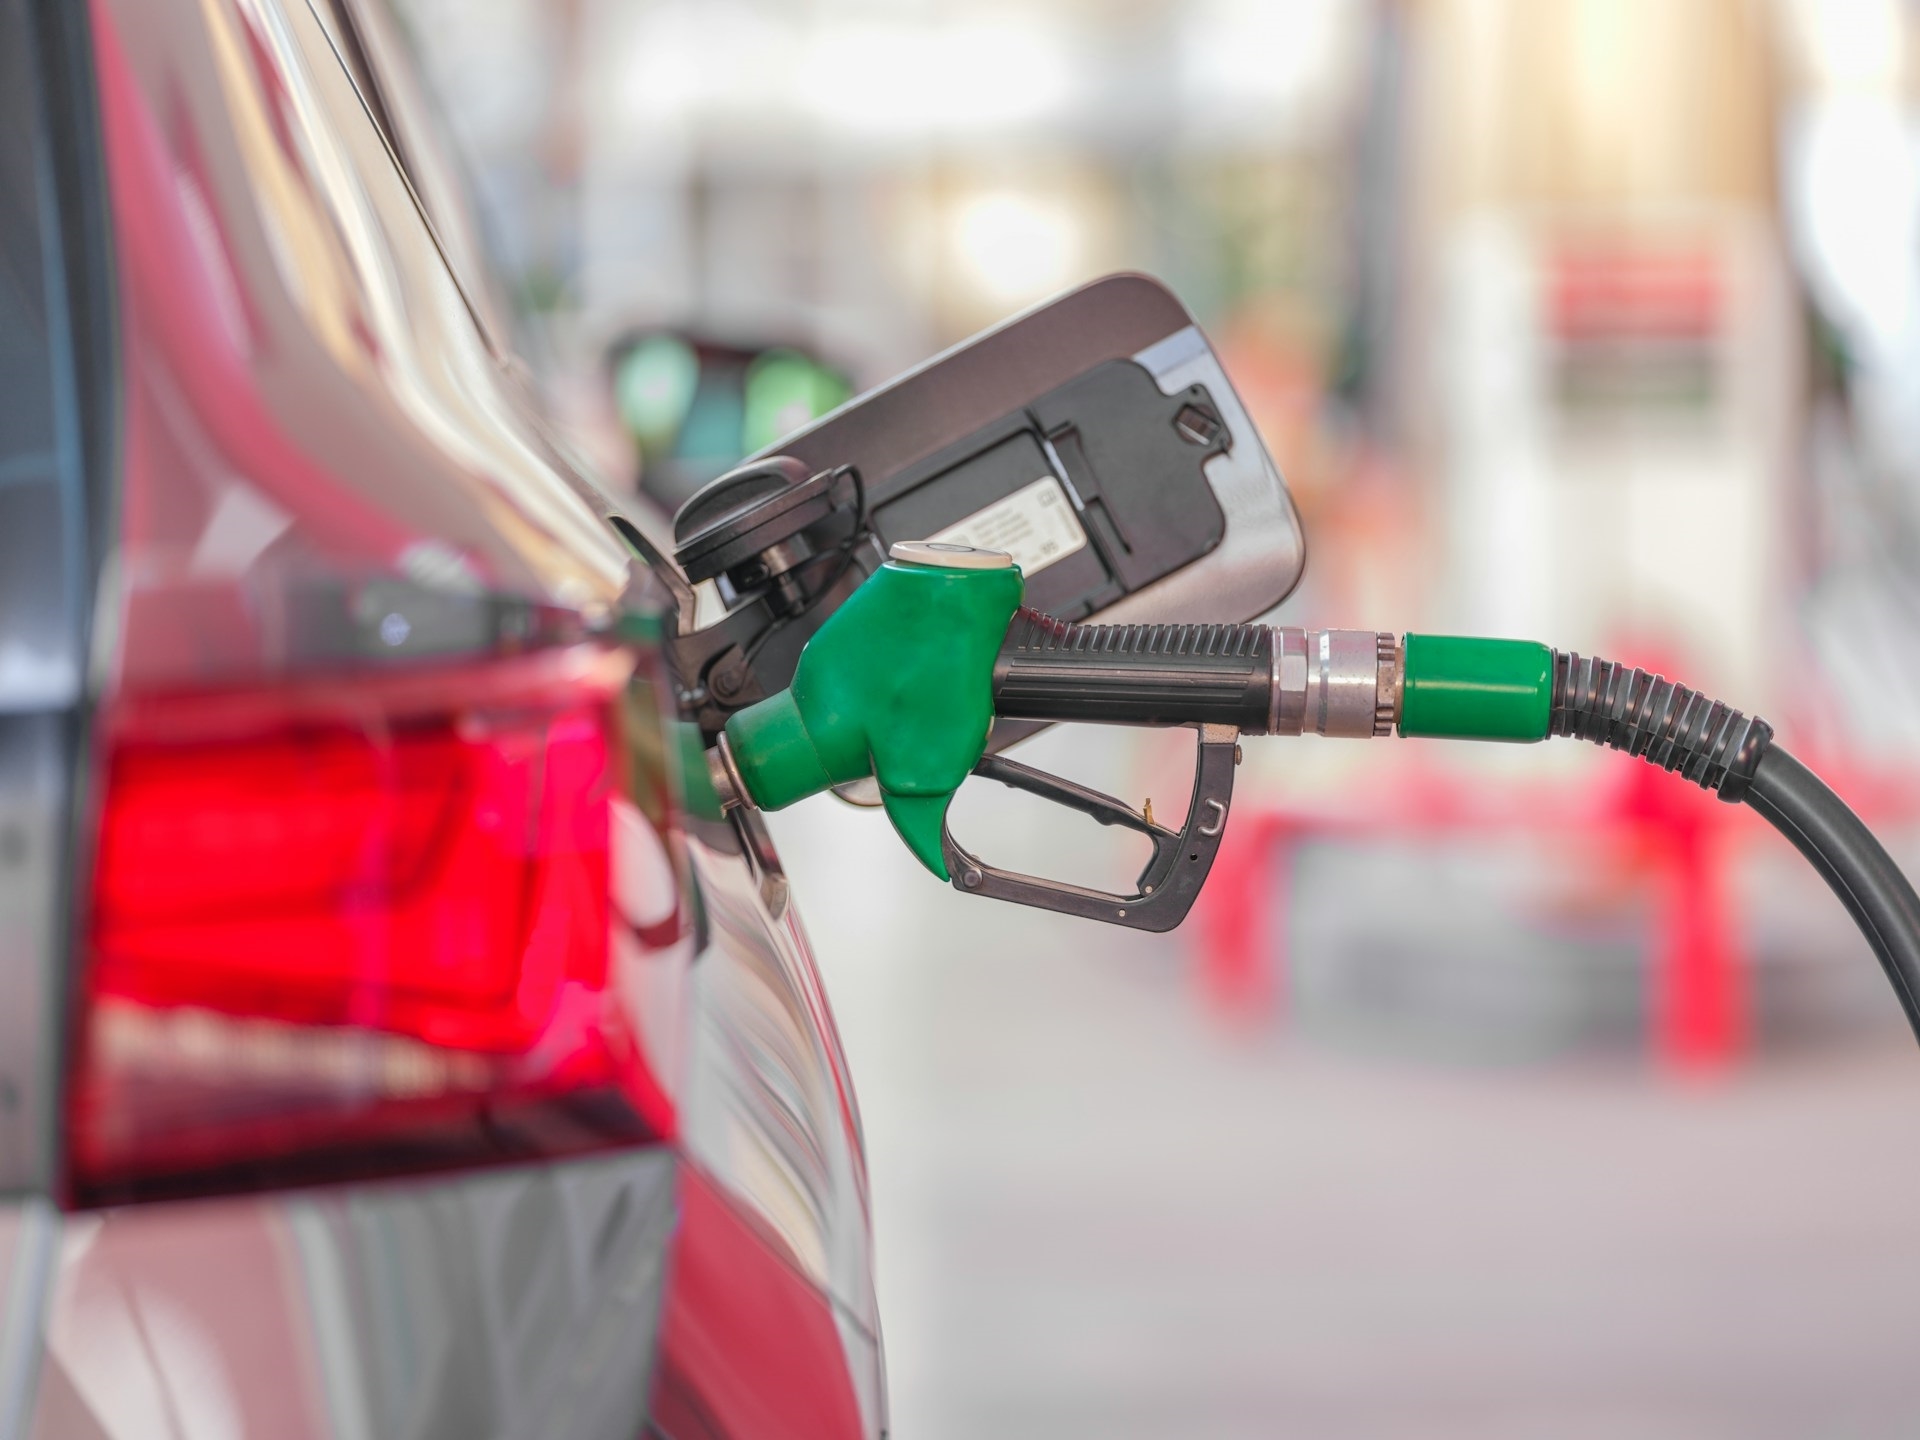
column 903, row 682
column 897, row 684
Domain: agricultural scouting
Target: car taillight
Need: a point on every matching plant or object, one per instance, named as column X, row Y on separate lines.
column 360, row 928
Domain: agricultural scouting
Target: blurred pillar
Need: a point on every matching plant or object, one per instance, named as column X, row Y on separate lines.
column 1605, row 321
column 1242, row 916
column 1699, row 987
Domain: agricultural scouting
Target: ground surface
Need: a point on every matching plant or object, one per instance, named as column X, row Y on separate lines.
column 1101, row 1213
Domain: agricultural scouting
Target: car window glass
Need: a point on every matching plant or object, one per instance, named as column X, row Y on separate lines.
column 38, row 464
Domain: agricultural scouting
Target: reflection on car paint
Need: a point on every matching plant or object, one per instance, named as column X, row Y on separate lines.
column 309, row 396
column 511, row 1303
column 768, row 1109
column 741, row 1335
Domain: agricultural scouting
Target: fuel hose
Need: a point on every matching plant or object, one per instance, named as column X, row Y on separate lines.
column 1277, row 680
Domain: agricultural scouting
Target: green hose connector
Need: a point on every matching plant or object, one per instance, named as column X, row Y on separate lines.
column 1463, row 688
column 898, row 684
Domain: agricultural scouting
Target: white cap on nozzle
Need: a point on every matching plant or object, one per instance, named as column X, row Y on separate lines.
column 949, row 556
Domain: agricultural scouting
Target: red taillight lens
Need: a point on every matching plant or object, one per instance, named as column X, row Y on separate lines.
column 342, row 937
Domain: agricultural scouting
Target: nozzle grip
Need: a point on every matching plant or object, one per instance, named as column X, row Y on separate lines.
column 1171, row 881
column 1052, row 669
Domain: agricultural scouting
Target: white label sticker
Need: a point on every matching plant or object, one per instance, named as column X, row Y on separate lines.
column 1035, row 524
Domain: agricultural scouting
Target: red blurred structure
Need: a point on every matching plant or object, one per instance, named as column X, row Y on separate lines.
column 1654, row 830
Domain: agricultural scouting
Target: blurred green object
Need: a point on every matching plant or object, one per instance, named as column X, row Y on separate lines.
column 713, row 428
column 784, row 391
column 654, row 386
column 697, row 406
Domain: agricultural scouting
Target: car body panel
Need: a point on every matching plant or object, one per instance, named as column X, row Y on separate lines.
column 308, row 400
column 769, row 1117
column 516, row 1302
column 314, row 425
column 740, row 1334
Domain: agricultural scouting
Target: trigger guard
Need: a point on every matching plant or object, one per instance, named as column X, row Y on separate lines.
column 1172, row 879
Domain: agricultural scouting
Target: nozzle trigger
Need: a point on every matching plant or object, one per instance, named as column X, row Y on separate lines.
column 1172, row 879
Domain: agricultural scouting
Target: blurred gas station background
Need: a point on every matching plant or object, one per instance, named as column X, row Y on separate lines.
column 1503, row 1093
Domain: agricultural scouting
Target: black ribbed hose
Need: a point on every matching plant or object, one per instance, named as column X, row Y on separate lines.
column 1854, row 864
column 1051, row 669
column 1724, row 751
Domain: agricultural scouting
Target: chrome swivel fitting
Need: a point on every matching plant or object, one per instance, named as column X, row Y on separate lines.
column 1335, row 682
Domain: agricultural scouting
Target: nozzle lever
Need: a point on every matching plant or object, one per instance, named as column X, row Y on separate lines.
column 1171, row 881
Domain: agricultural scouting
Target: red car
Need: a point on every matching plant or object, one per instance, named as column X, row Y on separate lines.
column 389, row 1049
